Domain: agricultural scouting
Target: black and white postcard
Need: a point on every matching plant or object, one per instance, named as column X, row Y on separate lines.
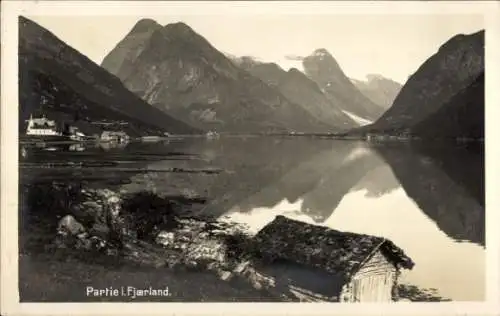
column 331, row 154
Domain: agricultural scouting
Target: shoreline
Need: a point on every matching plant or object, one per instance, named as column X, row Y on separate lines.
column 382, row 138
column 191, row 250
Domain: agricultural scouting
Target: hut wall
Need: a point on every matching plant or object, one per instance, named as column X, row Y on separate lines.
column 374, row 282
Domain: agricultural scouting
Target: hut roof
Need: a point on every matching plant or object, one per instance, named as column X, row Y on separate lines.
column 320, row 247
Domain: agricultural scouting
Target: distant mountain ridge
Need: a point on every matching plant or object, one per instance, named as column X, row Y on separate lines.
column 380, row 90
column 449, row 85
column 57, row 80
column 323, row 69
column 179, row 72
column 298, row 88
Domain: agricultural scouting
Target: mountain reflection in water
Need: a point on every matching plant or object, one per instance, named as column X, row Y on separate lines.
column 396, row 192
column 428, row 201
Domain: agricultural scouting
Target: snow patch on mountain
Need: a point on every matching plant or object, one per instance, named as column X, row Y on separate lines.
column 321, row 53
column 361, row 121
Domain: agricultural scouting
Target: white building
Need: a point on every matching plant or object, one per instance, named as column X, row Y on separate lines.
column 41, row 127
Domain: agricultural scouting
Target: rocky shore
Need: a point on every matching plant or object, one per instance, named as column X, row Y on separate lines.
column 142, row 228
column 69, row 228
column 73, row 235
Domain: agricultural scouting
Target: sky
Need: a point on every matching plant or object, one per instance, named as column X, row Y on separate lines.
column 390, row 45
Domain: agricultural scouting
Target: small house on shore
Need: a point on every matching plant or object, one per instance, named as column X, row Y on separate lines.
column 318, row 263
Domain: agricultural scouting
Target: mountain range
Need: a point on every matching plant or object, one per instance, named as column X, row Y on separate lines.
column 57, row 81
column 380, row 90
column 171, row 79
column 179, row 72
column 323, row 69
column 298, row 88
column 321, row 87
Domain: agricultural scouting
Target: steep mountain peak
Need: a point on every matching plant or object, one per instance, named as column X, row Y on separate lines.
column 296, row 77
column 179, row 43
column 295, row 71
column 322, row 68
column 32, row 30
column 322, row 53
column 323, row 59
column 23, row 20
column 461, row 39
column 178, row 39
column 145, row 25
column 179, row 28
column 134, row 41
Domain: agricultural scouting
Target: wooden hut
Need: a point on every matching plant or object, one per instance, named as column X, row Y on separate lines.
column 318, row 263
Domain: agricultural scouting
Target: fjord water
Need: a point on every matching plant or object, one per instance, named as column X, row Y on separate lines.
column 429, row 200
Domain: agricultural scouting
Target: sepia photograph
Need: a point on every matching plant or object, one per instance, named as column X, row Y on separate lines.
column 248, row 153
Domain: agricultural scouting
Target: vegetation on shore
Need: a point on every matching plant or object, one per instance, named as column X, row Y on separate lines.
column 101, row 230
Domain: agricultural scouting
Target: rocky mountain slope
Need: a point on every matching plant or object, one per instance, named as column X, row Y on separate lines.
column 58, row 81
column 178, row 71
column 299, row 89
column 323, row 69
column 447, row 85
column 460, row 117
column 380, row 90
column 135, row 41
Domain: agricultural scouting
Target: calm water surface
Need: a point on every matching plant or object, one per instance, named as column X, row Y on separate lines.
column 428, row 200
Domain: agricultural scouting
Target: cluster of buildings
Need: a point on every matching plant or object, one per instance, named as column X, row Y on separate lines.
column 382, row 137
column 45, row 128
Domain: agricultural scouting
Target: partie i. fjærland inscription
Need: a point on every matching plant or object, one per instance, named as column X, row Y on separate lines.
column 127, row 291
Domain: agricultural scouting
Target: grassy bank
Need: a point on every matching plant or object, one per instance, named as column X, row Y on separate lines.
column 65, row 279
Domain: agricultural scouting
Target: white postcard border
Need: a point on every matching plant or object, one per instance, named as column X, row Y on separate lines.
column 9, row 153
